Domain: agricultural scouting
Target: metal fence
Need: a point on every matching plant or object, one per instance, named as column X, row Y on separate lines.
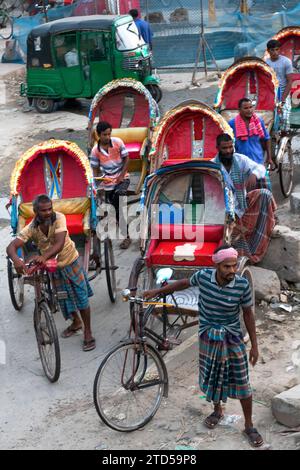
column 233, row 28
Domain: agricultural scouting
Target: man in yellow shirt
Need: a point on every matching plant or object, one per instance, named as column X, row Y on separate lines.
column 48, row 230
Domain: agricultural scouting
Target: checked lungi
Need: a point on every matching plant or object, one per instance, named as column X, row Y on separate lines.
column 251, row 235
column 73, row 280
column 223, row 366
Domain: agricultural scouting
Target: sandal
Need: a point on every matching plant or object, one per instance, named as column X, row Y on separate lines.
column 212, row 420
column 125, row 243
column 253, row 436
column 89, row 345
column 70, row 331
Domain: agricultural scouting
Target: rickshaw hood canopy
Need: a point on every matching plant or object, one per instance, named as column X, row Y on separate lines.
column 236, row 72
column 48, row 147
column 123, row 84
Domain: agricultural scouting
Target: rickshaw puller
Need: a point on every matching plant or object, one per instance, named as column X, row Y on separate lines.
column 251, row 136
column 284, row 70
column 255, row 210
column 110, row 157
column 223, row 365
column 48, row 230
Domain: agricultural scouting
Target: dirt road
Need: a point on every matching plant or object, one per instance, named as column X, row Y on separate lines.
column 37, row 415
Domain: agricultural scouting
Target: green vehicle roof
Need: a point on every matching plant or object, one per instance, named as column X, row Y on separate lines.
column 80, row 23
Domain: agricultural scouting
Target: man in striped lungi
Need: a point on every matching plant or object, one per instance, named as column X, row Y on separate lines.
column 223, row 365
column 255, row 210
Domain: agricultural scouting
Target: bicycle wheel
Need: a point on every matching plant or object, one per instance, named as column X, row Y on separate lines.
column 286, row 170
column 110, row 269
column 47, row 340
column 16, row 286
column 129, row 386
column 246, row 273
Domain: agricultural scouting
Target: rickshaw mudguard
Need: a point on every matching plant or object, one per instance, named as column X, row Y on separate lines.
column 151, row 80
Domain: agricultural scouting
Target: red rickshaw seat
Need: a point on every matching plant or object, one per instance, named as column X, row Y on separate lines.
column 161, row 250
column 134, row 150
column 163, row 254
column 74, row 223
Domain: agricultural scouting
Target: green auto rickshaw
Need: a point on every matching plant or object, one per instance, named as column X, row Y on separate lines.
column 74, row 57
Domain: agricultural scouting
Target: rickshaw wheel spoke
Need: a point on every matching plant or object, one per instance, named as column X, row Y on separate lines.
column 16, row 286
column 110, row 269
column 286, row 171
column 47, row 340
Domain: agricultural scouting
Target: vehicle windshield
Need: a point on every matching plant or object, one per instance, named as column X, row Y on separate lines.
column 128, row 37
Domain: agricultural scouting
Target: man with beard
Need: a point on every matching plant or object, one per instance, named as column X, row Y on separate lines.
column 255, row 209
column 48, row 230
column 223, row 365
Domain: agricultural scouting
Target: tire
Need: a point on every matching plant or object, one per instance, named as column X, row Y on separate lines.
column 110, row 269
column 286, row 171
column 16, row 286
column 155, row 92
column 43, row 105
column 47, row 340
column 129, row 408
column 246, row 273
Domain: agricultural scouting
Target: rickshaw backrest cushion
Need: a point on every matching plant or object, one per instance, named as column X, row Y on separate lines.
column 131, row 134
column 167, row 239
column 74, row 223
column 76, row 210
column 210, row 233
column 267, row 116
column 133, row 138
column 77, row 205
column 164, row 253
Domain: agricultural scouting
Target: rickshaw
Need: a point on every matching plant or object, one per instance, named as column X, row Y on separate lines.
column 290, row 47
column 251, row 77
column 73, row 57
column 187, row 212
column 51, row 168
column 129, row 107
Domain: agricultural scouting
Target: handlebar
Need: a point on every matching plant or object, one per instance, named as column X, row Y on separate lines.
column 139, row 300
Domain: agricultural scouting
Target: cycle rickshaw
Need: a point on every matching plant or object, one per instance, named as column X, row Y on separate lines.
column 187, row 212
column 252, row 78
column 129, row 107
column 51, row 168
column 289, row 39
